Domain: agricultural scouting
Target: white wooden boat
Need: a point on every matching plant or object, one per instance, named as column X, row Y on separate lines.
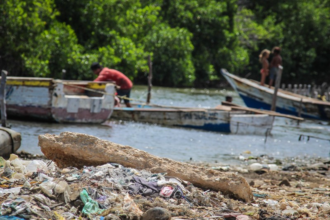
column 256, row 96
column 59, row 100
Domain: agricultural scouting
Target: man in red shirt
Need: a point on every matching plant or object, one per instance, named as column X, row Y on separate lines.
column 106, row 74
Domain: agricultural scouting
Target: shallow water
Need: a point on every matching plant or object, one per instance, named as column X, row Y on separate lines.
column 185, row 144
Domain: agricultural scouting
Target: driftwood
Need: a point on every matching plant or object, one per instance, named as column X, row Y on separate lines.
column 74, row 149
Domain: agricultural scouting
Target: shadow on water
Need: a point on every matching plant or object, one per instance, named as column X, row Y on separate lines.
column 180, row 143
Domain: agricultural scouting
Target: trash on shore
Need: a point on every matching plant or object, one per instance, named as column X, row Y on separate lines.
column 74, row 149
column 39, row 189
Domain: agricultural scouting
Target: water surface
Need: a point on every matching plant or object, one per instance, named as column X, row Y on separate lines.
column 185, row 144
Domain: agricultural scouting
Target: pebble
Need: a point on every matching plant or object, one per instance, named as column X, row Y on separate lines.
column 111, row 217
column 157, row 213
column 326, row 208
column 289, row 212
column 285, row 182
column 255, row 166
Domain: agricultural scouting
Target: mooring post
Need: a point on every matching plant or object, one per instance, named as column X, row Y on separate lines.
column 3, row 98
column 277, row 84
column 149, row 80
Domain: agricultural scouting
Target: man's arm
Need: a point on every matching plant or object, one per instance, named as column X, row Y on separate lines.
column 101, row 78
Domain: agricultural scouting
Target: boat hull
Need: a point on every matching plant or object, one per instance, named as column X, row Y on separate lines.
column 260, row 97
column 49, row 100
column 204, row 119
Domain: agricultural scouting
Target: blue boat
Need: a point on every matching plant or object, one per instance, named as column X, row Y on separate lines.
column 224, row 119
column 256, row 96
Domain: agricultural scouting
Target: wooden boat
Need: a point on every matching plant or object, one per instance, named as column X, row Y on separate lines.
column 256, row 96
column 10, row 141
column 59, row 100
column 227, row 119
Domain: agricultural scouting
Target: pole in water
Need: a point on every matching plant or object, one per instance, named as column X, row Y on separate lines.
column 149, row 80
column 300, row 109
column 277, row 84
column 3, row 98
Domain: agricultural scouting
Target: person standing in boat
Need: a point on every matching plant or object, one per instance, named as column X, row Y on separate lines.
column 263, row 58
column 106, row 74
column 274, row 65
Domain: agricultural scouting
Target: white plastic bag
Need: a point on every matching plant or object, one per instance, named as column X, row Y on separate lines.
column 47, row 188
column 36, row 165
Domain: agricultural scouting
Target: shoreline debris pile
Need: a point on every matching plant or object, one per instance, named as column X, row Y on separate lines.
column 78, row 150
column 40, row 189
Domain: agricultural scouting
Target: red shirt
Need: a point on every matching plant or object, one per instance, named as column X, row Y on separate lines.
column 121, row 80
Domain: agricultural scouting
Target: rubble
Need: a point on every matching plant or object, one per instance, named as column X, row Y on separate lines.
column 39, row 189
column 105, row 191
column 74, row 149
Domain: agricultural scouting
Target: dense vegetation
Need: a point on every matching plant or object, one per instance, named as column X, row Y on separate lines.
column 189, row 41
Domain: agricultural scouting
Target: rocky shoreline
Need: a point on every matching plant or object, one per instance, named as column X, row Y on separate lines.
column 32, row 186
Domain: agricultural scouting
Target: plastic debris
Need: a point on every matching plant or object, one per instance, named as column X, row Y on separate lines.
column 47, row 194
column 91, row 206
column 2, row 162
column 36, row 165
column 47, row 188
column 130, row 206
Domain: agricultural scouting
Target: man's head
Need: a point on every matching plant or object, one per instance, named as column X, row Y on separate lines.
column 276, row 50
column 96, row 68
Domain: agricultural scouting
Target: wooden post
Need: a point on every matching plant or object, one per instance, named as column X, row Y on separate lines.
column 300, row 108
column 277, row 84
column 149, row 80
column 3, row 98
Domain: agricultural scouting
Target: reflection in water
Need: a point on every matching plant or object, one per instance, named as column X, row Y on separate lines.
column 182, row 144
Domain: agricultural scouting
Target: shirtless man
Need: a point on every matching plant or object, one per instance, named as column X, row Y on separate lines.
column 274, row 65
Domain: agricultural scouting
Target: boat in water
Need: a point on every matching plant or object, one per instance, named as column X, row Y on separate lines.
column 260, row 97
column 61, row 101
column 219, row 119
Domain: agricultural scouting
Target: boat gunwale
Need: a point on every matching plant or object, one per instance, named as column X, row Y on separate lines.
column 281, row 93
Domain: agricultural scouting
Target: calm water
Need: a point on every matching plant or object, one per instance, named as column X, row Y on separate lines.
column 183, row 144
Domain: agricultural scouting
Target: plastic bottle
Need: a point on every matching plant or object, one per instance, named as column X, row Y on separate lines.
column 273, row 167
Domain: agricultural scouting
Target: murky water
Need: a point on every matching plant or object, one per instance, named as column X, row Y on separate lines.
column 183, row 144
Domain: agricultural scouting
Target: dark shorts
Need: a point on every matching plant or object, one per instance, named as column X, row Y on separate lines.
column 273, row 73
column 124, row 92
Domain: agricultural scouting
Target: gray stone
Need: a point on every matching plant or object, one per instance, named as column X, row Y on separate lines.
column 285, row 182
column 111, row 217
column 157, row 213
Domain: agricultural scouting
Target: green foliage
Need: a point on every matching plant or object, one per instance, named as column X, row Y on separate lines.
column 302, row 29
column 211, row 23
column 171, row 48
column 189, row 41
